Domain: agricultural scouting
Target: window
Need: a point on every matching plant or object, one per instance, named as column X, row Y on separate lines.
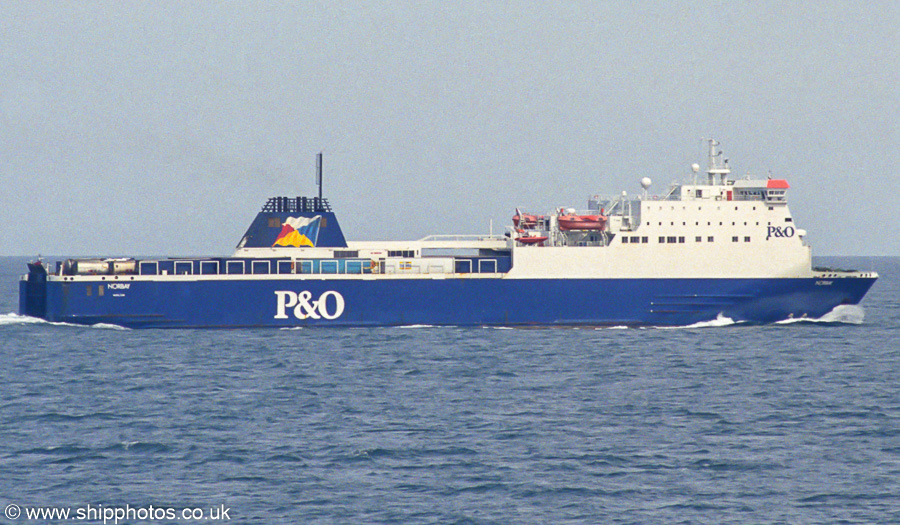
column 746, row 239
column 734, row 239
column 662, row 240
column 710, row 239
column 681, row 240
column 670, row 239
column 347, row 254
column 644, row 240
column 698, row 239
column 401, row 253
column 624, row 240
column 788, row 219
column 635, row 240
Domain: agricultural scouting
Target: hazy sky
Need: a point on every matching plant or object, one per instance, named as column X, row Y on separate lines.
column 162, row 127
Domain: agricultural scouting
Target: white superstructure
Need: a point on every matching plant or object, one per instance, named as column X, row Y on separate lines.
column 709, row 226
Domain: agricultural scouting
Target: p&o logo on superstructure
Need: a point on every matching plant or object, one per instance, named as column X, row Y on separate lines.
column 778, row 231
column 303, row 308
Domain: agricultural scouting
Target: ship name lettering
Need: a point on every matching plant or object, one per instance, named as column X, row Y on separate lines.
column 304, row 308
column 119, row 286
column 778, row 231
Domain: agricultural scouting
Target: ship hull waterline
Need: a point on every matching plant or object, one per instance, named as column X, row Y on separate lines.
column 233, row 303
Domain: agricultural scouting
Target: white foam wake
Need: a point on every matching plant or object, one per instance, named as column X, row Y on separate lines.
column 719, row 321
column 14, row 319
column 842, row 313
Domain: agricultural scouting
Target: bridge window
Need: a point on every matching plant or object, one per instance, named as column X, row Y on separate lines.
column 644, row 240
column 662, row 240
column 681, row 240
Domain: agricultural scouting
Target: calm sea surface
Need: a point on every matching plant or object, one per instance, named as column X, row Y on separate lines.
column 795, row 423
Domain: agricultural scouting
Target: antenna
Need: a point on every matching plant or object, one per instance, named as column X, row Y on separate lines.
column 319, row 173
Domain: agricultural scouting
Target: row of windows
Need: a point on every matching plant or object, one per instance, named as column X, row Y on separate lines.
column 719, row 208
column 697, row 223
column 674, row 240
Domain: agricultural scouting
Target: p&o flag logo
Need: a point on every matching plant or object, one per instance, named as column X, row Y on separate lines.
column 299, row 231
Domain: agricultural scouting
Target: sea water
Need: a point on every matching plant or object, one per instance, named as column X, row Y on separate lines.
column 714, row 423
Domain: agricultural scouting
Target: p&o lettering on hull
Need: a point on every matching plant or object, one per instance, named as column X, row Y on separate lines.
column 302, row 308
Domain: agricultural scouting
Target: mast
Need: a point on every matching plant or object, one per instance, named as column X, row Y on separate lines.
column 319, row 173
column 716, row 167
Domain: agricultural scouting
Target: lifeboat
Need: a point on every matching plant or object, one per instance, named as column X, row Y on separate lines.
column 581, row 222
column 531, row 240
column 524, row 220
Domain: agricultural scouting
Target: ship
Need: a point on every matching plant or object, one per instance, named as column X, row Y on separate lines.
column 710, row 247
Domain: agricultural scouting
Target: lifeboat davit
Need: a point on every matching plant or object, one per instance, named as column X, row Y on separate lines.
column 581, row 222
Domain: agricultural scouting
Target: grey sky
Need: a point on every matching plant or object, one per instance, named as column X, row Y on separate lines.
column 162, row 127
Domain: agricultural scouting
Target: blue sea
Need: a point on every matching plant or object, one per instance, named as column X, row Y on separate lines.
column 715, row 423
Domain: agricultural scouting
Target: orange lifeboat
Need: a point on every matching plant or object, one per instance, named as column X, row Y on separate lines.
column 531, row 240
column 524, row 220
column 581, row 222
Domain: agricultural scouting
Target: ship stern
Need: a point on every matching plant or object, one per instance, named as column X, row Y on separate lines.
column 33, row 291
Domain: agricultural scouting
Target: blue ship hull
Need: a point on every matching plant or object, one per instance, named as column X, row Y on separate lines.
column 453, row 301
